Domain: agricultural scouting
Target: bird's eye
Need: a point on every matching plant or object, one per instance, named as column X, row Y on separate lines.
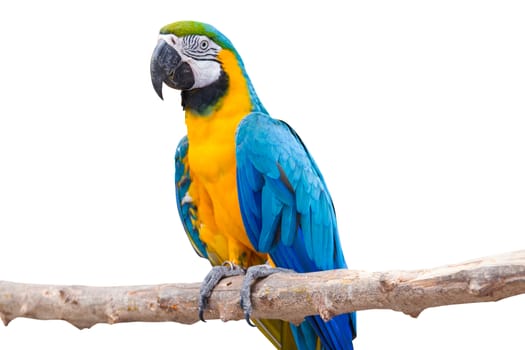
column 204, row 44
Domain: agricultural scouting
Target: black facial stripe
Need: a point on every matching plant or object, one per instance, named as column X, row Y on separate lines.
column 192, row 48
column 190, row 41
column 203, row 58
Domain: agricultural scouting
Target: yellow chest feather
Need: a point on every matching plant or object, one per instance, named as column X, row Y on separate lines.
column 211, row 159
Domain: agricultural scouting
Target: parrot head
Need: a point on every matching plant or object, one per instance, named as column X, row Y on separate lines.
column 187, row 57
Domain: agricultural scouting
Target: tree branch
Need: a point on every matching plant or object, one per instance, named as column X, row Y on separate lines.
column 289, row 297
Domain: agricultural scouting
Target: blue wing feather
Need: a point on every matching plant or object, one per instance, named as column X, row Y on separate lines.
column 288, row 213
column 268, row 152
column 187, row 210
column 288, row 224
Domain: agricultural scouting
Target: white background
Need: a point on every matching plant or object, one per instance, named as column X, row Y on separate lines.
column 414, row 112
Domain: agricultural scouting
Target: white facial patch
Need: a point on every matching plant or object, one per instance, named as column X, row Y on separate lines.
column 200, row 53
column 205, row 72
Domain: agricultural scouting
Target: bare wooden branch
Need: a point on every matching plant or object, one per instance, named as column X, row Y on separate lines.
column 284, row 296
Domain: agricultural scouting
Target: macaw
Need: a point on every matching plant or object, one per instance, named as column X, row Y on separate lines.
column 249, row 193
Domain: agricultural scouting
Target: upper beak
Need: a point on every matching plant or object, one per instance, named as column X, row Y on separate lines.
column 166, row 67
column 163, row 63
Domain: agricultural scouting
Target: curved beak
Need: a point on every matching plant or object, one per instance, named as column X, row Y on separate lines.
column 163, row 63
column 166, row 67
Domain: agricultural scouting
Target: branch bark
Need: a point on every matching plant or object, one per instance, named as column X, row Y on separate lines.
column 288, row 297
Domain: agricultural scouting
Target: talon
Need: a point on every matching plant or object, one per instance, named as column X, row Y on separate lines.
column 201, row 315
column 203, row 303
column 247, row 318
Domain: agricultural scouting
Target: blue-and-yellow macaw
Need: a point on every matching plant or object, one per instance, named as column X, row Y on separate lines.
column 248, row 191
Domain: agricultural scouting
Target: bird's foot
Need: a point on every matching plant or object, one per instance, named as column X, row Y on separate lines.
column 253, row 274
column 211, row 280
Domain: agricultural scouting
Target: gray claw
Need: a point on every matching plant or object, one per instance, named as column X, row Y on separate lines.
column 211, row 280
column 253, row 274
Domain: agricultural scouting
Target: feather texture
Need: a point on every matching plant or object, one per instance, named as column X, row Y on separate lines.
column 290, row 190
